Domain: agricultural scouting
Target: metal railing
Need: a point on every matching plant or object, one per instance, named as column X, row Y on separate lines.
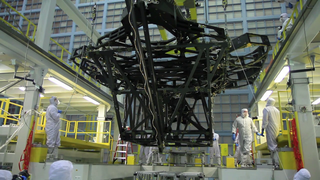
column 32, row 28
column 296, row 10
column 71, row 129
column 6, row 107
column 88, row 130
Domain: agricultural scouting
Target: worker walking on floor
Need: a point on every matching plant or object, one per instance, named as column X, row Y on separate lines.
column 53, row 126
column 245, row 125
column 271, row 123
column 215, row 149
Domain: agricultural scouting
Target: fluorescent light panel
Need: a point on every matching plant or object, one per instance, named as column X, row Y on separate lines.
column 266, row 95
column 41, row 95
column 91, row 100
column 22, row 88
column 316, row 102
column 283, row 73
column 56, row 81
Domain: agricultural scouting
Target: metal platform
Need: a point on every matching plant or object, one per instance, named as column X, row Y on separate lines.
column 73, row 143
column 282, row 141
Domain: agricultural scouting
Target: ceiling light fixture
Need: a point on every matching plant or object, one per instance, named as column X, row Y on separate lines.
column 56, row 81
column 22, row 88
column 316, row 102
column 266, row 95
column 283, row 73
column 91, row 100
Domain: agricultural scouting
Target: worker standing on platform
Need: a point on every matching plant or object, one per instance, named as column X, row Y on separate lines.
column 152, row 151
column 271, row 123
column 53, row 126
column 284, row 20
column 144, row 152
column 215, row 149
column 246, row 127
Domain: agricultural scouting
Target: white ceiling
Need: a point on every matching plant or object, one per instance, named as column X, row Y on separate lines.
column 72, row 101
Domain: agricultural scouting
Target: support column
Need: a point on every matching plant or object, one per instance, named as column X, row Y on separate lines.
column 100, row 126
column 31, row 97
column 31, row 102
column 302, row 105
column 45, row 24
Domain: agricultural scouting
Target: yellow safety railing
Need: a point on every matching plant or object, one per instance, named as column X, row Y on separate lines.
column 32, row 38
column 6, row 111
column 294, row 15
column 30, row 24
column 72, row 128
column 92, row 130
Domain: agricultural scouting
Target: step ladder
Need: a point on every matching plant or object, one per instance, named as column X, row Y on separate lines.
column 121, row 151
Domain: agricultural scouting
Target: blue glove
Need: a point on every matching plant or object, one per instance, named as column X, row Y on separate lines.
column 260, row 134
column 237, row 144
column 214, row 139
column 233, row 137
column 278, row 38
column 59, row 111
column 290, row 5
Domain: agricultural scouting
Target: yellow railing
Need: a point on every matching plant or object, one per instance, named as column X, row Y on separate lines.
column 92, row 130
column 294, row 15
column 283, row 131
column 30, row 24
column 72, row 128
column 6, row 106
column 32, row 38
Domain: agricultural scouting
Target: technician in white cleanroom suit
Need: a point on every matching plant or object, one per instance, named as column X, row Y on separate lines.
column 271, row 123
column 53, row 126
column 152, row 151
column 302, row 174
column 5, row 175
column 215, row 149
column 61, row 170
column 284, row 20
column 144, row 152
column 245, row 125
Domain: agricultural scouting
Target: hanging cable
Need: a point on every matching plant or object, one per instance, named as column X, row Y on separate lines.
column 143, row 72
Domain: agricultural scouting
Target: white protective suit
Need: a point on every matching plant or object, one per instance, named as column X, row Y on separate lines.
column 144, row 152
column 302, row 174
column 61, row 170
column 237, row 154
column 153, row 151
column 215, row 149
column 285, row 20
column 53, row 126
column 245, row 125
column 5, row 175
column 271, row 123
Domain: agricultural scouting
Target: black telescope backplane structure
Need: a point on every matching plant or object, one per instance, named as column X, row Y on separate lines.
column 164, row 80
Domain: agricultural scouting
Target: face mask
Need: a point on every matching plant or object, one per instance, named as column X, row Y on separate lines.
column 281, row 20
column 57, row 102
column 245, row 114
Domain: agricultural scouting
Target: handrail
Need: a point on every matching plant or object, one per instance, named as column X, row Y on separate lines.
column 4, row 111
column 69, row 127
column 63, row 49
column 275, row 52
